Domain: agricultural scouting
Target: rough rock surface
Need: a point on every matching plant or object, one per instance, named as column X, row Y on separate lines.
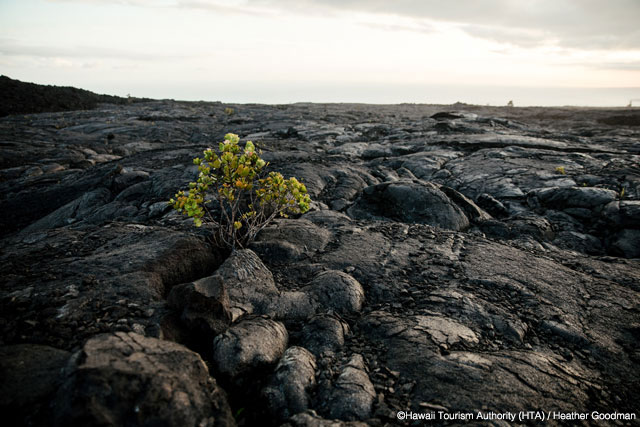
column 351, row 396
column 411, row 202
column 288, row 392
column 291, row 240
column 249, row 346
column 324, row 333
column 127, row 379
column 248, row 281
column 474, row 257
column 203, row 307
column 31, row 374
column 337, row 291
column 312, row 419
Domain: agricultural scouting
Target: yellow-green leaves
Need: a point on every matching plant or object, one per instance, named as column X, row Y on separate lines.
column 190, row 204
column 243, row 198
column 232, row 138
column 288, row 194
column 249, row 147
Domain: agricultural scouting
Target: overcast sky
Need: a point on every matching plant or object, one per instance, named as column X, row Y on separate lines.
column 482, row 51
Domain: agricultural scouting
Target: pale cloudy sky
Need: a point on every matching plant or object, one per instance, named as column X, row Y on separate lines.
column 545, row 52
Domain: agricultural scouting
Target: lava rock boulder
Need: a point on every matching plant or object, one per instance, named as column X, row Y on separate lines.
column 128, row 379
column 410, row 201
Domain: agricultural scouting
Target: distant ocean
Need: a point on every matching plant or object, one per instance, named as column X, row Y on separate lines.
column 282, row 93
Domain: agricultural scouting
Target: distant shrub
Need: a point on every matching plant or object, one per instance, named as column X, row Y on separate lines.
column 246, row 199
column 560, row 170
column 229, row 111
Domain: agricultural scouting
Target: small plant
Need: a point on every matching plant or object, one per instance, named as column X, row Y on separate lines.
column 229, row 111
column 238, row 413
column 560, row 170
column 244, row 198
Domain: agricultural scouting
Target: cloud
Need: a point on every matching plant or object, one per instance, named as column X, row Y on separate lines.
column 416, row 27
column 514, row 36
column 625, row 66
column 233, row 7
column 585, row 24
column 141, row 3
column 241, row 7
column 582, row 24
column 10, row 47
column 62, row 63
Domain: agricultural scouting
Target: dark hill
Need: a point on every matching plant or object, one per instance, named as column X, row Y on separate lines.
column 21, row 98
